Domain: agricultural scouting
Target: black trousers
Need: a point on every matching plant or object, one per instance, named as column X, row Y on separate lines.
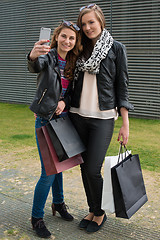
column 96, row 135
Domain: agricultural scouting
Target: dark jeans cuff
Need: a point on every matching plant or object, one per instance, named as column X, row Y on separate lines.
column 91, row 210
column 99, row 213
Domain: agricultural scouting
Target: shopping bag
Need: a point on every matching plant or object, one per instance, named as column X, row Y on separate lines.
column 128, row 187
column 50, row 160
column 107, row 192
column 65, row 138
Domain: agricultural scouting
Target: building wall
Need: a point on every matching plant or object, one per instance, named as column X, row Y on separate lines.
column 135, row 23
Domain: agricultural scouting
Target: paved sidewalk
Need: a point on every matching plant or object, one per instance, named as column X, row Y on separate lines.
column 16, row 193
column 15, row 214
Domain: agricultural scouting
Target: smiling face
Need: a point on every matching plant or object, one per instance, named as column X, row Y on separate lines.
column 91, row 26
column 66, row 41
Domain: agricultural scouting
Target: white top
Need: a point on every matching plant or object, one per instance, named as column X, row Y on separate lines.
column 89, row 106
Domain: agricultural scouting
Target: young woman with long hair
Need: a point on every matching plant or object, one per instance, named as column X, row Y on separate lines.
column 100, row 93
column 55, row 66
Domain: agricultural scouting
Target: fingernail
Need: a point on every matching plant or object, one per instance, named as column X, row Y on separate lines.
column 48, row 40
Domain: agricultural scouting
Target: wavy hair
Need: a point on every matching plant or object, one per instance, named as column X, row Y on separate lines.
column 73, row 54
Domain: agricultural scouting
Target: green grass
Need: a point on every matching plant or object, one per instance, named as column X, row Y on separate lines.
column 17, row 126
column 17, row 132
column 143, row 140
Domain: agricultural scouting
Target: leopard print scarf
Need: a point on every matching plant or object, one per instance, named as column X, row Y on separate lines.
column 100, row 51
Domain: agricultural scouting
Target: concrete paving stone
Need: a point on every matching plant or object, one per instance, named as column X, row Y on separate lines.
column 15, row 214
column 16, row 196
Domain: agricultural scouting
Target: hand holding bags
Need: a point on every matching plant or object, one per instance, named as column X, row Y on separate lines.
column 128, row 187
column 49, row 155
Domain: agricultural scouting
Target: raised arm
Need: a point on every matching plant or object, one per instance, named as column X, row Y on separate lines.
column 39, row 49
column 37, row 56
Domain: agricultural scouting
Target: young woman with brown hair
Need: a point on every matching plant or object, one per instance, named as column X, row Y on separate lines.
column 55, row 65
column 100, row 92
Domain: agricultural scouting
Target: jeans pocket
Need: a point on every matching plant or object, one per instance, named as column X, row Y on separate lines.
column 40, row 122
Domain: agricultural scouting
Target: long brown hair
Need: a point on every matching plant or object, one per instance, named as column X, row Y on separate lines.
column 86, row 42
column 71, row 55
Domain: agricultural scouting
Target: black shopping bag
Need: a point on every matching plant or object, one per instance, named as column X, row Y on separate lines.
column 128, row 187
column 65, row 138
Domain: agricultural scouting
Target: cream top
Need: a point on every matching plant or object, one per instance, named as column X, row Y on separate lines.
column 89, row 106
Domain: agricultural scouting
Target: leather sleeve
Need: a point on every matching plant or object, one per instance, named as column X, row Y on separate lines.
column 38, row 65
column 122, row 79
column 67, row 97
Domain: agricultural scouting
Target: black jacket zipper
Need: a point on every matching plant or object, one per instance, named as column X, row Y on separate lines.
column 44, row 92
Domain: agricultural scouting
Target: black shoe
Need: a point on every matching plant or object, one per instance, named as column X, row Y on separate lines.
column 40, row 228
column 94, row 227
column 61, row 208
column 84, row 223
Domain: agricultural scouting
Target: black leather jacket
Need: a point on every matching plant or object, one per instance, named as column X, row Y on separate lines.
column 49, row 85
column 112, row 81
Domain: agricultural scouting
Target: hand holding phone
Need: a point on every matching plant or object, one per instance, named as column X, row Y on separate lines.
column 42, row 46
column 45, row 34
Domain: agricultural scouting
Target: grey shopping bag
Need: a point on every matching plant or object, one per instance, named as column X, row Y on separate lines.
column 65, row 138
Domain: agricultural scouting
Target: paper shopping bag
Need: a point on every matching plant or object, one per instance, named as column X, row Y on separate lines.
column 50, row 160
column 65, row 138
column 107, row 192
column 128, row 187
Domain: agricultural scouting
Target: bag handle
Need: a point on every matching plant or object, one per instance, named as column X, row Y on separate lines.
column 56, row 117
column 121, row 151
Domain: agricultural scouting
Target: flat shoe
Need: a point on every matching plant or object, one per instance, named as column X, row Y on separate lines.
column 94, row 227
column 84, row 223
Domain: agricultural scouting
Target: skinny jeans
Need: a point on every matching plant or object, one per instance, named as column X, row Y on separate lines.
column 96, row 135
column 45, row 182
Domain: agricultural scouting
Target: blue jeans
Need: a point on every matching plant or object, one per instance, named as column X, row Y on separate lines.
column 45, row 182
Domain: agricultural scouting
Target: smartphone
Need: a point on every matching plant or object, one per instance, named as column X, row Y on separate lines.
column 45, row 33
